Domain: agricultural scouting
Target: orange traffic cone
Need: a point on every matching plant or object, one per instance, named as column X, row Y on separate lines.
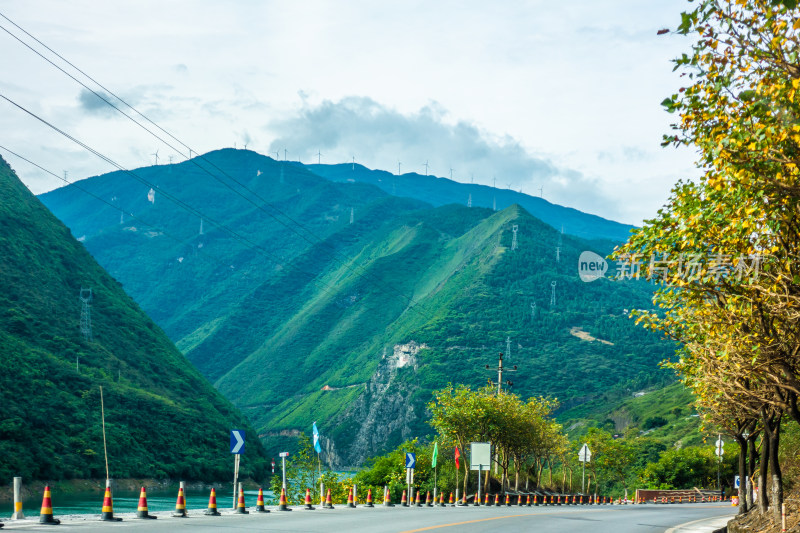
column 46, row 514
column 180, row 505
column 497, row 500
column 528, row 503
column 282, row 504
column 508, row 500
column 260, row 502
column 428, row 502
column 486, row 500
column 212, row 505
column 387, row 498
column 108, row 506
column 240, row 507
column 418, row 501
column 404, row 499
column 441, row 500
column 350, row 503
column 451, row 500
column 328, row 501
column 369, row 498
column 141, row 511
column 308, row 506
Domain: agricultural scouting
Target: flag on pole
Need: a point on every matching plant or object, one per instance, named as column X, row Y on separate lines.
column 315, row 432
column 458, row 454
column 435, row 454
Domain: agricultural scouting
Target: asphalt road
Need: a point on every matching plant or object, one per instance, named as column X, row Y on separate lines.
column 647, row 518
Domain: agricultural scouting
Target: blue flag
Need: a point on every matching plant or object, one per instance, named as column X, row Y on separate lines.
column 315, row 432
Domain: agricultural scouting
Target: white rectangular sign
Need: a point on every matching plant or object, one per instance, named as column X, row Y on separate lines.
column 480, row 455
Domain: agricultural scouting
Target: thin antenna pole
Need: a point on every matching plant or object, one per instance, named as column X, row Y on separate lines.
column 103, row 415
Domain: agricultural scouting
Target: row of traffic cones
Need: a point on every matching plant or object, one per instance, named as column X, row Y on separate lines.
column 46, row 514
column 107, row 512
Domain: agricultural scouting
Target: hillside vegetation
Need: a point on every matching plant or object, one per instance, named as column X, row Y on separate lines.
column 163, row 419
column 354, row 325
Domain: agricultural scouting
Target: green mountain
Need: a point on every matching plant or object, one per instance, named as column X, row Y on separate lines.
column 442, row 191
column 664, row 414
column 162, row 418
column 355, row 324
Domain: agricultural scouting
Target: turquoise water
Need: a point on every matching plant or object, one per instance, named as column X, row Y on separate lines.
column 128, row 501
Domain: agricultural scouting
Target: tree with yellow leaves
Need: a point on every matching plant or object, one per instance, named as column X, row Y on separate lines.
column 726, row 247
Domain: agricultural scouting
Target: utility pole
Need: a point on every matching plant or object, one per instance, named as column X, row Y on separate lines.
column 499, row 389
column 508, row 348
column 469, row 201
column 319, row 157
column 500, row 371
column 426, row 168
column 354, row 163
column 398, row 167
column 553, row 294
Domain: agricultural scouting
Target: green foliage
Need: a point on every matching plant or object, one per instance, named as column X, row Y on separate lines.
column 163, row 419
column 690, row 467
column 654, row 422
column 303, row 471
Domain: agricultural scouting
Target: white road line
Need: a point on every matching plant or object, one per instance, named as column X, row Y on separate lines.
column 696, row 526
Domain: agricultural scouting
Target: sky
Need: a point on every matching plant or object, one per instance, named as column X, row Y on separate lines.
column 553, row 98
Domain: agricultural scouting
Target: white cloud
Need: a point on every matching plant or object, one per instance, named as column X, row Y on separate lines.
column 380, row 137
column 546, row 85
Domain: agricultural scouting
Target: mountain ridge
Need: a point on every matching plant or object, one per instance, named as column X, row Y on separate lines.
column 441, row 191
column 363, row 321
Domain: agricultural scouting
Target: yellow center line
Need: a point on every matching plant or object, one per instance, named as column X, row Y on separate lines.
column 500, row 518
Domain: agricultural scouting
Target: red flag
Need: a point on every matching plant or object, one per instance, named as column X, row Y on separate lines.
column 457, row 456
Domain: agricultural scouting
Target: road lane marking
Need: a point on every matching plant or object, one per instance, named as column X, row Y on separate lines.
column 466, row 522
column 685, row 525
column 500, row 518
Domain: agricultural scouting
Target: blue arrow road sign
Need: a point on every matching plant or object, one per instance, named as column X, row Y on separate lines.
column 411, row 460
column 237, row 441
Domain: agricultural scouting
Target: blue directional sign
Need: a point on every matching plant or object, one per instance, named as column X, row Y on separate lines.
column 237, row 441
column 411, row 460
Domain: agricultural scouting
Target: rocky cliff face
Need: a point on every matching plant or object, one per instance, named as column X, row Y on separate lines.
column 383, row 411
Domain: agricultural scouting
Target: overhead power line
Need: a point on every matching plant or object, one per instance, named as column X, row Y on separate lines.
column 247, row 242
column 306, row 234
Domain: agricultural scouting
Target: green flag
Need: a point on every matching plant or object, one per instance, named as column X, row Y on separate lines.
column 435, row 453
